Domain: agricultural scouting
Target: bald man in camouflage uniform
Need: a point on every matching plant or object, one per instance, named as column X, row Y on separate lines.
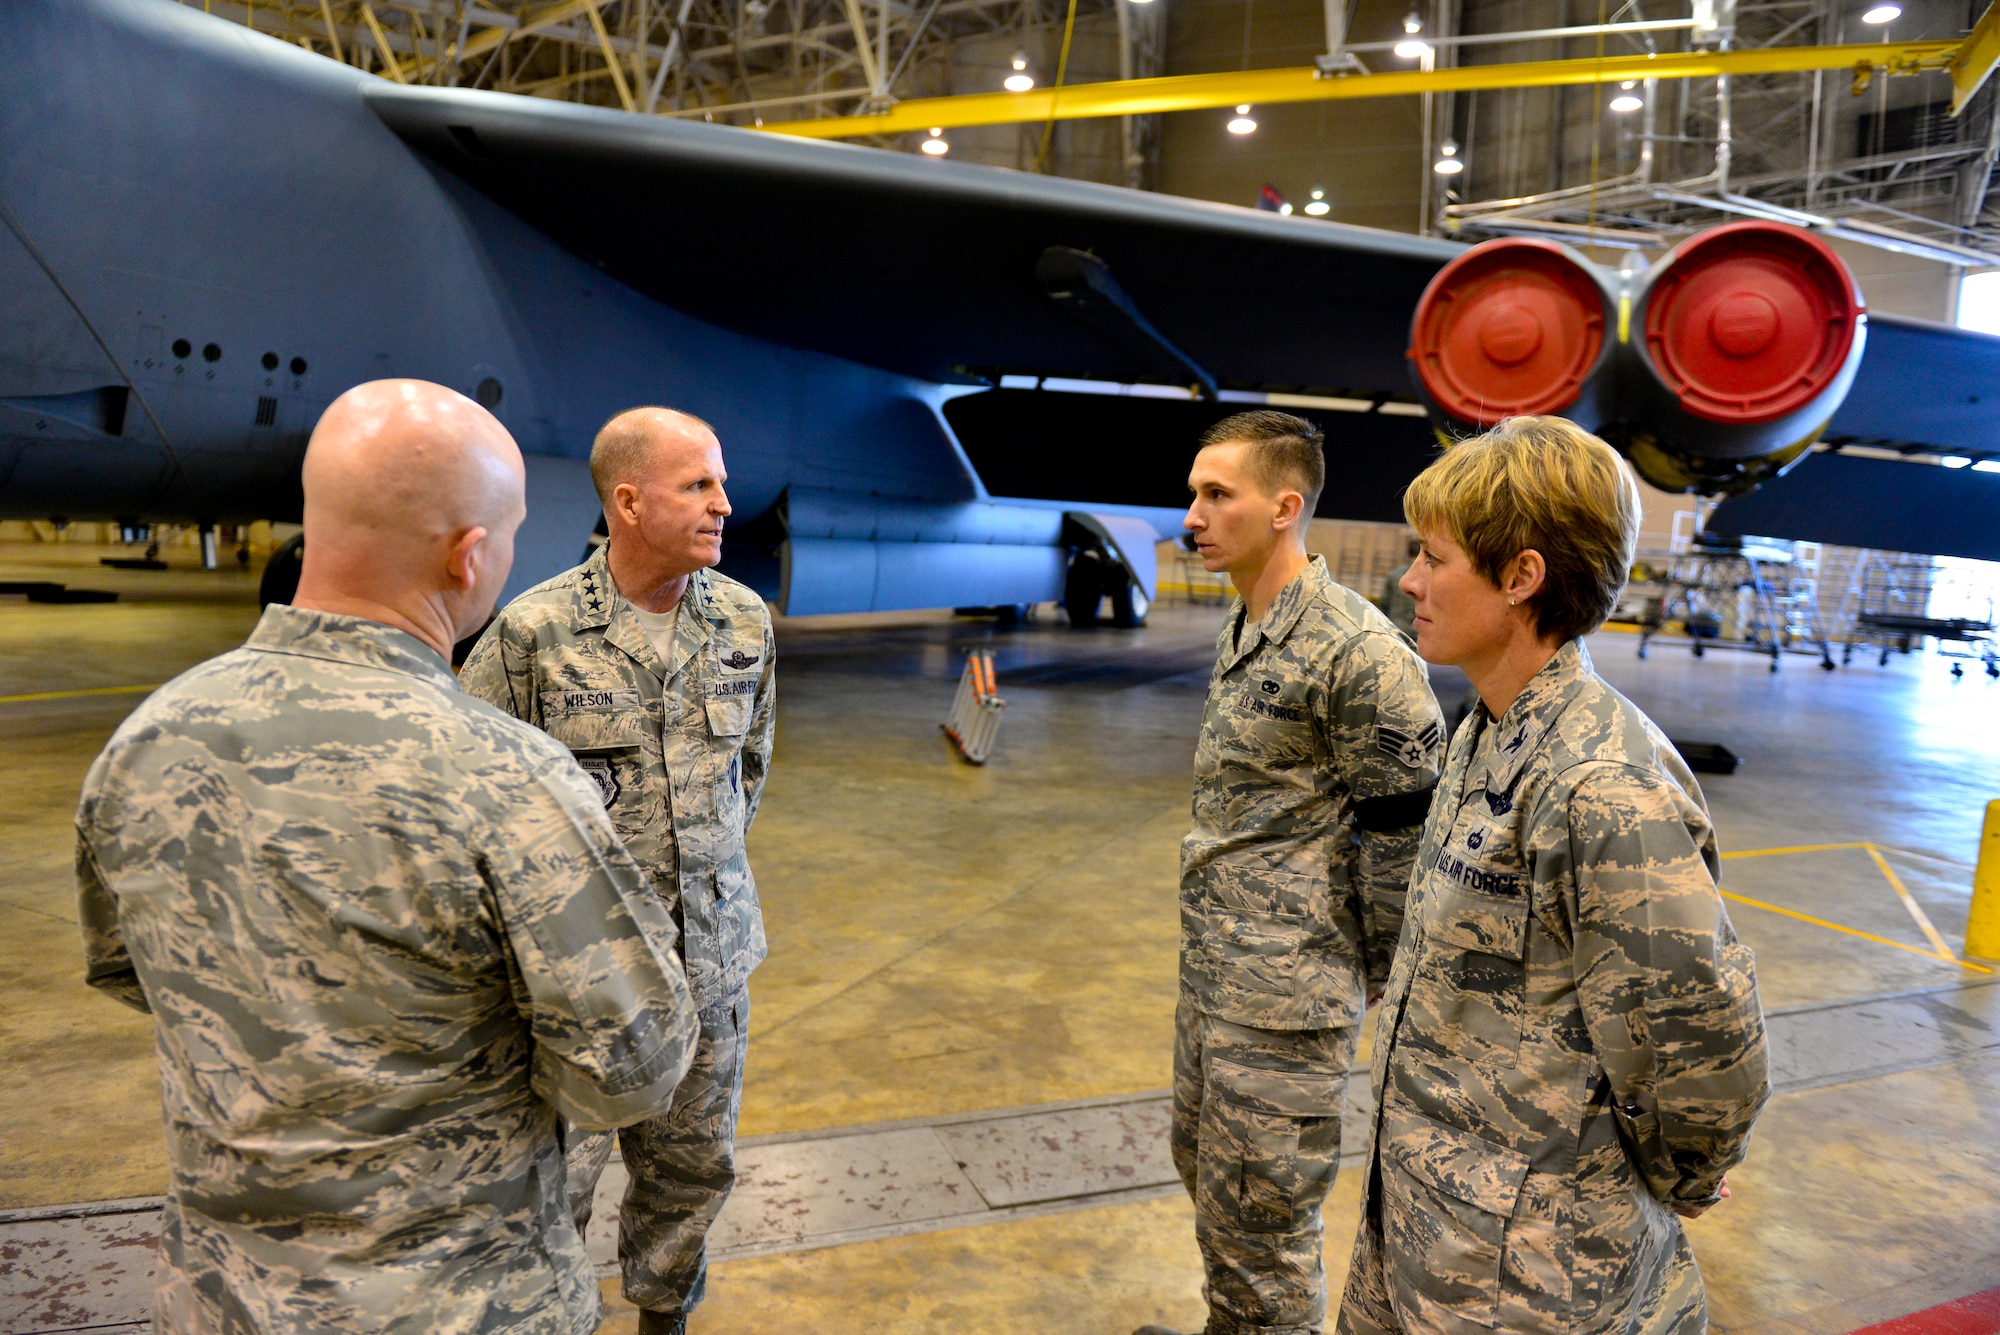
column 671, row 710
column 386, row 933
column 1319, row 748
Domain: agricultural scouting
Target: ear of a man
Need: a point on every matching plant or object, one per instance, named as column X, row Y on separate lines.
column 466, row 559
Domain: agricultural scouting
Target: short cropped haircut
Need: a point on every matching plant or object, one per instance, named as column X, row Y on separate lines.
column 621, row 445
column 1285, row 451
column 1540, row 483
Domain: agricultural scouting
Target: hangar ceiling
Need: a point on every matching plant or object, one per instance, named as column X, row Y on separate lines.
column 735, row 61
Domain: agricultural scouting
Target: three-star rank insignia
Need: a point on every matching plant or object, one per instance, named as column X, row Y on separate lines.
column 1411, row 749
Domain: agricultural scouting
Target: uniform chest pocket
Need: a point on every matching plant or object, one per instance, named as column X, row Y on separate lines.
column 1265, row 725
column 1472, row 972
column 728, row 716
column 600, row 729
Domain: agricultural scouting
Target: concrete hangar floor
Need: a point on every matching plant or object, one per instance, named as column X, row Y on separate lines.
column 955, row 1109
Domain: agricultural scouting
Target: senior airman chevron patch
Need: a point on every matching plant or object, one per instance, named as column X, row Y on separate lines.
column 1409, row 749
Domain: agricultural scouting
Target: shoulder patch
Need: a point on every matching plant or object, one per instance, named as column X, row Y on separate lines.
column 739, row 661
column 1411, row 749
column 600, row 772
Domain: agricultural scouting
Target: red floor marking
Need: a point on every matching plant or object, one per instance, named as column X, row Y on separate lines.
column 1976, row 1315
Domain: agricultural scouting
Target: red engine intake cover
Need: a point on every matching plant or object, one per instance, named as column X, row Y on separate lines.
column 1750, row 321
column 1510, row 328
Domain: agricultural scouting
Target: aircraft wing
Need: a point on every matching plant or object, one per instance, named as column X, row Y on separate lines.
column 1922, row 387
column 934, row 268
column 1923, row 384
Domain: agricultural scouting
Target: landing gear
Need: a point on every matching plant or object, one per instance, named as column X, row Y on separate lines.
column 281, row 573
column 1083, row 589
column 1092, row 577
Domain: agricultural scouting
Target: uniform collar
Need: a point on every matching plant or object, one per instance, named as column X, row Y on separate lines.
column 356, row 641
column 1279, row 618
column 600, row 604
column 1541, row 702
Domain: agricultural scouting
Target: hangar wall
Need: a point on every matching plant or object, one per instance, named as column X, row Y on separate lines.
column 1368, row 155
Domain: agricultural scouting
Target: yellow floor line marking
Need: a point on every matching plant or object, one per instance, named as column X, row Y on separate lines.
column 1850, row 931
column 1780, row 852
column 1916, row 909
column 66, row 695
column 1940, row 951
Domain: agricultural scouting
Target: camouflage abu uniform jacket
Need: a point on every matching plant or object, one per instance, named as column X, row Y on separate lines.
column 1571, row 1042
column 1318, row 750
column 679, row 749
column 387, row 936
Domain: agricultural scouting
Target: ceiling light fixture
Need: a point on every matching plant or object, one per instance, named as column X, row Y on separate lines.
column 1955, row 461
column 1626, row 102
column 1450, row 164
column 1883, row 14
column 1410, row 48
column 935, row 145
column 1317, row 207
column 1242, row 124
column 1018, row 83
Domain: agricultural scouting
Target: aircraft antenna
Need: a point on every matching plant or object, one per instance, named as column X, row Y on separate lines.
column 173, row 455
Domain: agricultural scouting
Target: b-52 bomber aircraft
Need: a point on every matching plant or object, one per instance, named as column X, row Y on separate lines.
column 210, row 233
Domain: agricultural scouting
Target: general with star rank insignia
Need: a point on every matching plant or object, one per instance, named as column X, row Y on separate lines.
column 656, row 672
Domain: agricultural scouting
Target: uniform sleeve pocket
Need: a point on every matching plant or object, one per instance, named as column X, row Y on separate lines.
column 1284, row 1130
column 1447, row 1196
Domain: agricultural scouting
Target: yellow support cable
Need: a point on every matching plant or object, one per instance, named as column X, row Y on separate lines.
column 332, row 32
column 610, row 56
column 382, row 44
column 1197, row 92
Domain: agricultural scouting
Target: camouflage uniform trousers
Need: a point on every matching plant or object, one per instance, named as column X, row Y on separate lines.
column 682, row 1166
column 1256, row 1140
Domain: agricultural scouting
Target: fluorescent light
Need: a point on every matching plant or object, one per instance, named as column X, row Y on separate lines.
column 1955, row 461
column 1018, row 83
column 1412, row 49
column 1883, row 14
column 1318, row 208
column 1987, row 466
column 1242, row 124
column 1626, row 102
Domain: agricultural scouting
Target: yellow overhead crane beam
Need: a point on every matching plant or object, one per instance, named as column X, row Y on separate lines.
column 1968, row 61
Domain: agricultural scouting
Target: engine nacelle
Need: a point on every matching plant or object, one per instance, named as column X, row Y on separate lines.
column 1723, row 362
column 1516, row 328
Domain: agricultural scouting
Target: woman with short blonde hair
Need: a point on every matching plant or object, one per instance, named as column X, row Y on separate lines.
column 1571, row 1052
